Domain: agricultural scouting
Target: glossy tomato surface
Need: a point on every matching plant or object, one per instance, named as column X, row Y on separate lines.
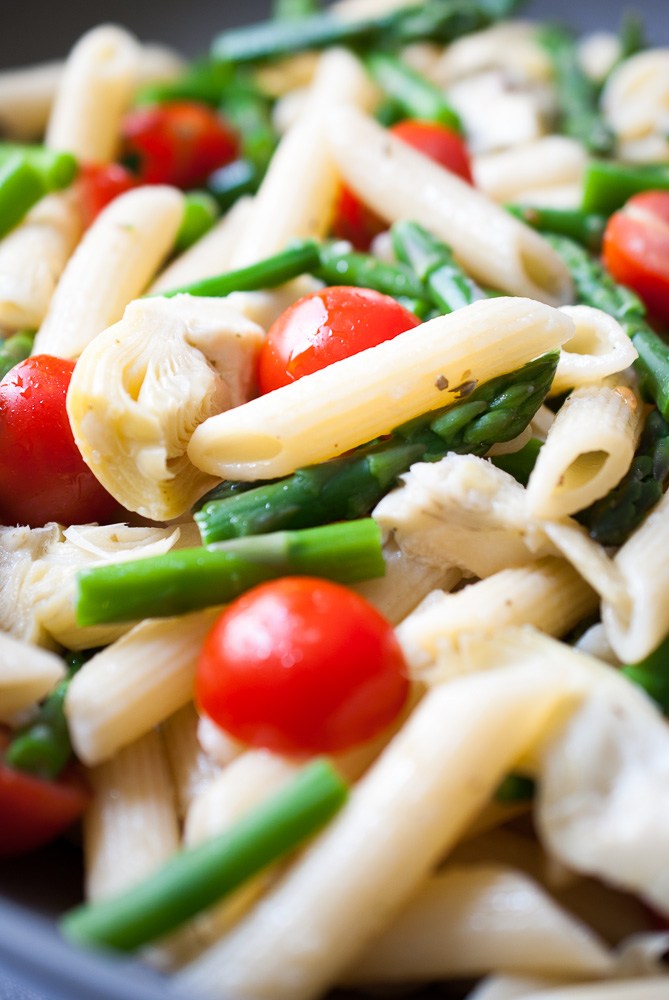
column 34, row 811
column 42, row 474
column 179, row 142
column 636, row 249
column 98, row 184
column 327, row 326
column 301, row 665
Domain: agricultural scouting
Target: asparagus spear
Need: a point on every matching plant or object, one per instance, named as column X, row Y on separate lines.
column 16, row 348
column 200, row 214
column 652, row 674
column 586, row 228
column 182, row 581
column 352, row 485
column 519, row 464
column 595, row 287
column 197, row 877
column 56, row 169
column 438, row 20
column 204, row 81
column 608, row 184
column 577, row 95
column 230, row 182
column 612, row 519
column 337, row 265
column 21, row 187
column 248, row 108
column 434, row 264
column 415, row 96
column 515, row 787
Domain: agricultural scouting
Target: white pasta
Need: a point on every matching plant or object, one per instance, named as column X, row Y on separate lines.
column 551, row 161
column 365, row 396
column 192, row 769
column 112, row 265
column 398, row 182
column 27, row 674
column 95, row 89
column 599, row 347
column 635, row 99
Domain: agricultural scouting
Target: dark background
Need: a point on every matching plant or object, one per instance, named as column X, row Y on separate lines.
column 35, row 30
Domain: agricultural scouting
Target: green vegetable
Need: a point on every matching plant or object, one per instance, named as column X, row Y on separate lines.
column 185, row 580
column 577, row 95
column 595, row 287
column 652, row 674
column 200, row 214
column 612, row 519
column 412, row 93
column 249, row 110
column 198, row 877
column 56, row 169
column 15, row 348
column 586, row 228
column 434, row 265
column 267, row 273
column 21, row 187
column 607, row 184
column 515, row 788
column 289, row 10
column 204, row 81
column 231, row 182
column 339, row 266
column 519, row 464
column 350, row 486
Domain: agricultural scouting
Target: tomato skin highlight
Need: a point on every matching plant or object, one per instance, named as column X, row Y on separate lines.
column 301, row 665
column 34, row 811
column 178, row 142
column 326, row 326
column 636, row 249
column 98, row 184
column 358, row 224
column 42, row 474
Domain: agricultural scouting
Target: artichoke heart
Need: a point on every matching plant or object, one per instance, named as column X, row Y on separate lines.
column 141, row 388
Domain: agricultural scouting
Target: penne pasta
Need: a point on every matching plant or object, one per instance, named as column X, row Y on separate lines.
column 27, row 674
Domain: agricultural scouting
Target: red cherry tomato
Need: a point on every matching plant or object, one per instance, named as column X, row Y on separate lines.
column 357, row 223
column 326, row 326
column 177, row 143
column 636, row 249
column 42, row 474
column 301, row 665
column 34, row 811
column 99, row 183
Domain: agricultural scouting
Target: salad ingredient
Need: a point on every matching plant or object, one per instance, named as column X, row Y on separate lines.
column 182, row 581
column 34, row 810
column 636, row 249
column 608, row 184
column 302, row 665
column 433, row 262
column 595, row 287
column 325, row 327
column 198, row 877
column 179, row 143
column 21, row 187
column 200, row 214
column 350, row 486
column 583, row 227
column 100, row 183
column 42, row 474
column 15, row 348
column 338, row 266
column 652, row 674
column 412, row 93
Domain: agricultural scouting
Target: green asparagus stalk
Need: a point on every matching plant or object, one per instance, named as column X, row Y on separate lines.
column 339, row 266
column 267, row 273
column 290, row 10
column 519, row 464
column 437, row 20
column 607, row 184
column 352, row 485
column 652, row 674
column 200, row 214
column 183, row 581
column 21, row 187
column 586, row 228
column 612, row 519
column 204, row 81
column 248, row 109
column 198, row 877
column 577, row 95
column 413, row 93
column 515, row 787
column 15, row 348
column 631, row 35
column 56, row 169
column 231, row 182
column 595, row 287
column 43, row 746
column 434, row 265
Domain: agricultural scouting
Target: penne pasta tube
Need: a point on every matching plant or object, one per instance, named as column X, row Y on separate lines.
column 398, row 182
column 192, row 769
column 635, row 97
column 511, row 46
column 98, row 81
column 405, row 583
column 27, row 674
column 599, row 347
column 32, row 259
column 371, row 392
column 133, row 685
column 471, row 919
column 588, row 450
column 112, row 265
column 552, row 160
column 402, row 817
column 130, row 828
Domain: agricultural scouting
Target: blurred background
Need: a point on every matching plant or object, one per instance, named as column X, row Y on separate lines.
column 37, row 30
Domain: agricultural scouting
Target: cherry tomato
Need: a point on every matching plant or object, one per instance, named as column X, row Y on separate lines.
column 98, row 184
column 34, row 811
column 326, row 326
column 357, row 223
column 301, row 665
column 42, row 474
column 636, row 249
column 178, row 143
